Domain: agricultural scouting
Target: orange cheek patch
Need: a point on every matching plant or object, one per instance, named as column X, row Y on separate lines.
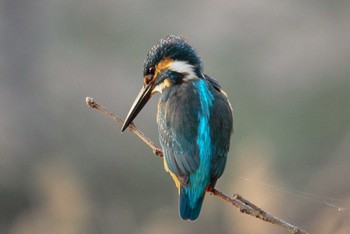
column 164, row 64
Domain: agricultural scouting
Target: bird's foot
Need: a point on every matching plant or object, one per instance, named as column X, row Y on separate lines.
column 210, row 189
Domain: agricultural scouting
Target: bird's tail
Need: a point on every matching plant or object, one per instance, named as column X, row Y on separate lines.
column 189, row 210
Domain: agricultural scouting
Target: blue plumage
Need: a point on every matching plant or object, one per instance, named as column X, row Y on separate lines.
column 199, row 180
column 195, row 151
column 189, row 210
column 194, row 120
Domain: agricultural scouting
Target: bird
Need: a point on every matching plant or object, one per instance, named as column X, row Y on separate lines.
column 194, row 118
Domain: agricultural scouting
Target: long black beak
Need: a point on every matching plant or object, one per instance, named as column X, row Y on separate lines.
column 140, row 101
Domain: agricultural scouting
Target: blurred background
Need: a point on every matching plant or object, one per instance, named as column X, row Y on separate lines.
column 67, row 169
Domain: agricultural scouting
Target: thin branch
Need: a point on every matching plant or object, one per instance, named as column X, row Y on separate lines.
column 236, row 200
column 92, row 104
column 246, row 207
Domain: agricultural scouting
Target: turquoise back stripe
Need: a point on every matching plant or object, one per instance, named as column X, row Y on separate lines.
column 200, row 179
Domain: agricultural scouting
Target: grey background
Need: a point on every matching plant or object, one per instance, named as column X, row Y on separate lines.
column 67, row 169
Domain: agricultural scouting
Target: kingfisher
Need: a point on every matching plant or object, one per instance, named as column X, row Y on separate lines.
column 194, row 117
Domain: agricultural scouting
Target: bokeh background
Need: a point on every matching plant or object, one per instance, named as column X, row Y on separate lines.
column 67, row 169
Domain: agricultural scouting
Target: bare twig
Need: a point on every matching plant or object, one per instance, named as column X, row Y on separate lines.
column 92, row 104
column 249, row 208
column 236, row 200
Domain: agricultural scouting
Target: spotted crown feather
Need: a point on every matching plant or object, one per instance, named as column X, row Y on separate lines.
column 175, row 48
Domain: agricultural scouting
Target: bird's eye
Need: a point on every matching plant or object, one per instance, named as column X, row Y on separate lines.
column 151, row 70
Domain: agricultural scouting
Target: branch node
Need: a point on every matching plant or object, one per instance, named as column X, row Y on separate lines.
column 158, row 152
column 89, row 102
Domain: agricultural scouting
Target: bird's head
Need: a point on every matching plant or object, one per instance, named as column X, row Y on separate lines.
column 170, row 62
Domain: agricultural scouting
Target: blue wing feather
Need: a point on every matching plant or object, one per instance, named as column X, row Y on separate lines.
column 221, row 123
column 178, row 137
